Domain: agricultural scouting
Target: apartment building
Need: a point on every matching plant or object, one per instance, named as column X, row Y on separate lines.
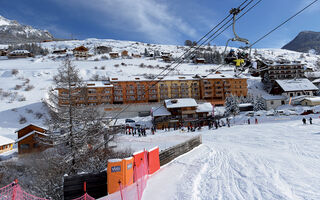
column 95, row 93
column 125, row 90
column 282, row 71
column 134, row 90
column 215, row 88
column 178, row 87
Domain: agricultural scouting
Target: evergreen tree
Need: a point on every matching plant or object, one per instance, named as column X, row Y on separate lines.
column 146, row 52
column 232, row 105
column 259, row 104
column 188, row 43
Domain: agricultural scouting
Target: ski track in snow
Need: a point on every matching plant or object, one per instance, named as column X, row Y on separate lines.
column 265, row 161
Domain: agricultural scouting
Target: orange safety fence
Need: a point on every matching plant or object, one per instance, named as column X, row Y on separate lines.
column 13, row 191
column 153, row 160
column 127, row 179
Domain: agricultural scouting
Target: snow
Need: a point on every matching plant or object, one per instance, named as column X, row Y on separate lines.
column 204, row 107
column 245, row 104
column 5, row 141
column 181, row 103
column 160, row 111
column 273, row 97
column 313, row 99
column 4, row 21
column 19, row 52
column 264, row 161
column 114, row 160
column 296, row 85
column 31, row 133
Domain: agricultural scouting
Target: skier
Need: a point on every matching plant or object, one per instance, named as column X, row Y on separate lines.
column 310, row 120
column 304, row 120
column 256, row 120
column 228, row 122
column 249, row 121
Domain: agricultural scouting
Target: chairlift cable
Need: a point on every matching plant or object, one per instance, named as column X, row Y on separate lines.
column 300, row 11
column 177, row 64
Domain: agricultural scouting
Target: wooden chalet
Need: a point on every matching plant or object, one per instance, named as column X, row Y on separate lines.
column 27, row 139
column 81, row 51
column 6, row 144
column 60, row 51
column 124, row 53
column 103, row 49
column 19, row 54
column 3, row 52
column 114, row 55
column 181, row 112
column 294, row 87
column 200, row 61
column 136, row 55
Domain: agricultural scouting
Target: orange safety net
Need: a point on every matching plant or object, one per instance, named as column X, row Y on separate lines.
column 13, row 191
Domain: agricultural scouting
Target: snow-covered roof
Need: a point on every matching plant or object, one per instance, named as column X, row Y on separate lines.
column 99, row 84
column 19, row 51
column 313, row 99
column 273, row 97
column 5, row 141
column 296, row 85
column 204, row 107
column 316, row 81
column 27, row 135
column 160, row 111
column 180, row 103
column 245, row 104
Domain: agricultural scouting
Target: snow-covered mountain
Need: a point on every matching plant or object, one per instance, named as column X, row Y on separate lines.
column 13, row 32
column 304, row 42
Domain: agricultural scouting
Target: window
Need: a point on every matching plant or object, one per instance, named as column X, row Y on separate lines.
column 92, row 91
column 291, row 95
column 271, row 102
column 282, row 102
column 24, row 146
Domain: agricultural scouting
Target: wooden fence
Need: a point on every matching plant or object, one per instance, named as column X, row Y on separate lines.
column 96, row 185
column 175, row 151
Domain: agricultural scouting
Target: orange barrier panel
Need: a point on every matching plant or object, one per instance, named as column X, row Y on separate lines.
column 139, row 158
column 153, row 159
column 115, row 175
column 128, row 171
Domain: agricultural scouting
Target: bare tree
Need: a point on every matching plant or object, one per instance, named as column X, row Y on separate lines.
column 74, row 126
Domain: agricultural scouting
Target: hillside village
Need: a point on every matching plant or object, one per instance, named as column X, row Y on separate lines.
column 201, row 91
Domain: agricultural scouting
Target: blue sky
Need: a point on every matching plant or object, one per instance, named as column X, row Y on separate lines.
column 161, row 21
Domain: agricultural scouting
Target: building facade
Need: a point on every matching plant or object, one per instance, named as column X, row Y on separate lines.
column 81, row 51
column 6, row 144
column 217, row 87
column 294, row 87
column 27, row 139
column 213, row 89
column 283, row 71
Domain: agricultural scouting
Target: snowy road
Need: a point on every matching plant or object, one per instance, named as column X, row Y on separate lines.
column 267, row 161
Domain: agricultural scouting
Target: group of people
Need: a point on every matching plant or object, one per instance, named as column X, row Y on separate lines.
column 304, row 120
column 140, row 131
column 218, row 123
column 255, row 120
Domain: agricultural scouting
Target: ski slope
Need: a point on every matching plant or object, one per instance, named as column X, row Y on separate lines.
column 265, row 161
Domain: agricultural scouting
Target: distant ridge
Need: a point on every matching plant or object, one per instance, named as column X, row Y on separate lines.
column 304, row 42
column 11, row 32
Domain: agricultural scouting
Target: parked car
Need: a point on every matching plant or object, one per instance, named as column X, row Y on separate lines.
column 249, row 113
column 130, row 121
column 307, row 112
